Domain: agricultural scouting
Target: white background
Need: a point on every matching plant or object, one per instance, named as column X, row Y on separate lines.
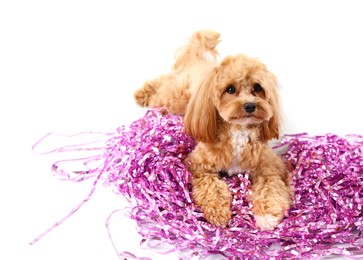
column 70, row 66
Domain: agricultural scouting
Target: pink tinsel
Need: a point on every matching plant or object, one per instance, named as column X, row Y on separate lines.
column 144, row 163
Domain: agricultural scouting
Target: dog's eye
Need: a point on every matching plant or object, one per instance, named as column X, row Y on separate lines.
column 231, row 89
column 257, row 88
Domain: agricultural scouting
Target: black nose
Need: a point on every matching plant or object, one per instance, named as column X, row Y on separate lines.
column 249, row 107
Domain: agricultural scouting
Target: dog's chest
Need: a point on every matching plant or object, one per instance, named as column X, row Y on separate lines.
column 238, row 140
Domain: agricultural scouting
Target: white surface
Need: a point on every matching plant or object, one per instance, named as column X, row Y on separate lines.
column 69, row 66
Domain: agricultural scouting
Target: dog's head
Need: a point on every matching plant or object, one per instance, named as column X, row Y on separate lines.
column 241, row 91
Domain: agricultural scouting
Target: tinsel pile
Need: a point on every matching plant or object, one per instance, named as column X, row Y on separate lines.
column 144, row 163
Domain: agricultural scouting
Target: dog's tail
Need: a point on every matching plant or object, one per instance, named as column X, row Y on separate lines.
column 201, row 47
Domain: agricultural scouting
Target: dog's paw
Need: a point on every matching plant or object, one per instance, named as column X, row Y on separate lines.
column 144, row 94
column 267, row 222
column 142, row 97
column 218, row 216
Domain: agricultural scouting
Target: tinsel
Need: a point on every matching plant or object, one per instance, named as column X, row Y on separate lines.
column 144, row 163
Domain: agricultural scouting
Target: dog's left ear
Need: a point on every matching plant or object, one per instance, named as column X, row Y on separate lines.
column 271, row 129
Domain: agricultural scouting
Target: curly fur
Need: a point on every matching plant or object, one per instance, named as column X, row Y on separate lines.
column 231, row 108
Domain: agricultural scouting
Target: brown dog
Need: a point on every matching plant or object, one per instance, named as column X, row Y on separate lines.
column 231, row 108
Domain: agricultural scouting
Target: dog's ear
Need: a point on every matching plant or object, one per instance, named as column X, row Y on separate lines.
column 271, row 129
column 201, row 116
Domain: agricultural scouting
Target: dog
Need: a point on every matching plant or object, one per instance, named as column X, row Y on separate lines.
column 232, row 109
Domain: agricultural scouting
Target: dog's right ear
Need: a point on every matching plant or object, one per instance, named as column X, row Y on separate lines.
column 201, row 115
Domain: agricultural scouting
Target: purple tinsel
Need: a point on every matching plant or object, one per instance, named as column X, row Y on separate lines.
column 144, row 162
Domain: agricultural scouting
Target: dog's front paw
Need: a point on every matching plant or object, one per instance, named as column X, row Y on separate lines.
column 269, row 212
column 218, row 216
column 267, row 222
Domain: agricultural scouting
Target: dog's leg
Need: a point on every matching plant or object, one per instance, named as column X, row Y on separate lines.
column 165, row 91
column 213, row 196
column 146, row 94
column 271, row 197
column 143, row 95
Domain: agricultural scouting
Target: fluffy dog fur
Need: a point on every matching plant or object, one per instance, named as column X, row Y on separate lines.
column 232, row 109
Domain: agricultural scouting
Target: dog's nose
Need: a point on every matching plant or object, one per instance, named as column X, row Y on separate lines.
column 249, row 107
